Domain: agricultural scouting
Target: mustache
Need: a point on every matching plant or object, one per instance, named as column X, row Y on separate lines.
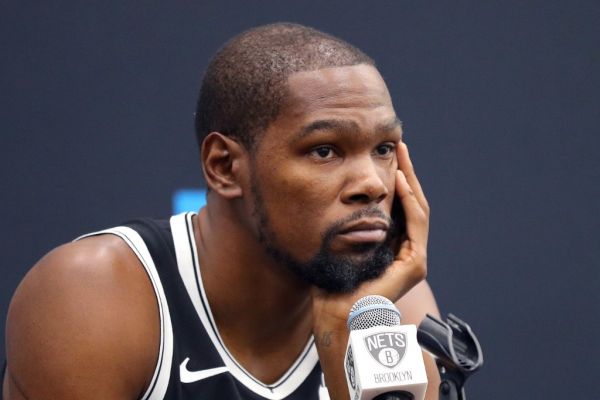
column 372, row 212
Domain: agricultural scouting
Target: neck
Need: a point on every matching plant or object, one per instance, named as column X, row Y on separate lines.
column 258, row 305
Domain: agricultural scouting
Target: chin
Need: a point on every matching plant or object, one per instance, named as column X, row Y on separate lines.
column 336, row 273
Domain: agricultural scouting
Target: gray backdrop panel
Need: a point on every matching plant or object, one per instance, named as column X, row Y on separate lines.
column 500, row 106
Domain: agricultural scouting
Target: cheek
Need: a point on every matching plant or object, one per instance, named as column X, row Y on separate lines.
column 298, row 205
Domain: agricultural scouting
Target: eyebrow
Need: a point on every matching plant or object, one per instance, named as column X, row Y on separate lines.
column 389, row 125
column 346, row 125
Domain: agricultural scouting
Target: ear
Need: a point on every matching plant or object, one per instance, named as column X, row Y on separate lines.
column 222, row 161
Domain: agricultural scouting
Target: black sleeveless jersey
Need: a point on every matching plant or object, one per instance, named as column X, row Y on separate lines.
column 193, row 362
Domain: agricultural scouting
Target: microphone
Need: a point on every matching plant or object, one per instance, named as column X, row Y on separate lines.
column 383, row 358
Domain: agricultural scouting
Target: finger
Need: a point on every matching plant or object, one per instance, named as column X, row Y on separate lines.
column 417, row 219
column 406, row 166
column 398, row 278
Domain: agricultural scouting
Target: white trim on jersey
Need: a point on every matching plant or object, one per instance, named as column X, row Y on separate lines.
column 160, row 380
column 189, row 269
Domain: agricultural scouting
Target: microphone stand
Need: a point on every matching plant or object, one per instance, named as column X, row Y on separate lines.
column 457, row 353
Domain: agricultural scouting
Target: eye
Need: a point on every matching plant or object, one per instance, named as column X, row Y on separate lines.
column 323, row 152
column 385, row 149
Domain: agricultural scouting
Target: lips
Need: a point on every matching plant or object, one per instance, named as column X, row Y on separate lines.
column 365, row 231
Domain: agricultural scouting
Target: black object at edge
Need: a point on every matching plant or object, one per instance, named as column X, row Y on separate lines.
column 400, row 395
column 457, row 352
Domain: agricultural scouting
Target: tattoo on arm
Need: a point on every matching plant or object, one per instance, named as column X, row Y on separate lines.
column 324, row 340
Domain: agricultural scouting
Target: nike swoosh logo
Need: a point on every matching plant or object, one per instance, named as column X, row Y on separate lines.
column 187, row 376
column 323, row 392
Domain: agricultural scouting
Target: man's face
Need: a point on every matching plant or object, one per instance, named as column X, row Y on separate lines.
column 323, row 178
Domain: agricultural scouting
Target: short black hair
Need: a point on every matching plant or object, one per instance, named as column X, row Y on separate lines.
column 245, row 84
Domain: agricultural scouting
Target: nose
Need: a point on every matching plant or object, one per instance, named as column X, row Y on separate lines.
column 365, row 183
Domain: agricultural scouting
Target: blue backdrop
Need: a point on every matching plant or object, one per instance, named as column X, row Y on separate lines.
column 500, row 107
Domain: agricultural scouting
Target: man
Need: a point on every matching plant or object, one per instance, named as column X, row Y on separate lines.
column 312, row 204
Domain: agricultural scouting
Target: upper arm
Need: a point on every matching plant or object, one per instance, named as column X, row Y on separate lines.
column 83, row 324
column 414, row 305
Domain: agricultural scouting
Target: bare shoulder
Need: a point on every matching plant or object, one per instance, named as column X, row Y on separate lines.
column 83, row 324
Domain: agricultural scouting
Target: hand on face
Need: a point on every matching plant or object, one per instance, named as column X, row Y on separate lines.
column 410, row 264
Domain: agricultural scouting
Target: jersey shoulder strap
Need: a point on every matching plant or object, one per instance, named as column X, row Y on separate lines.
column 151, row 243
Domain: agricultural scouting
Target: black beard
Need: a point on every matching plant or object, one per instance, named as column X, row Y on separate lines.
column 337, row 273
column 326, row 270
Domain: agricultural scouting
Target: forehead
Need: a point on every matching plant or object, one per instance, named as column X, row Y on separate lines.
column 332, row 99
column 357, row 86
column 353, row 96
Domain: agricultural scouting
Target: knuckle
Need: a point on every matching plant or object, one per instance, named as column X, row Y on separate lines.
column 418, row 274
column 426, row 215
column 422, row 216
column 421, row 272
column 418, row 271
column 426, row 208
